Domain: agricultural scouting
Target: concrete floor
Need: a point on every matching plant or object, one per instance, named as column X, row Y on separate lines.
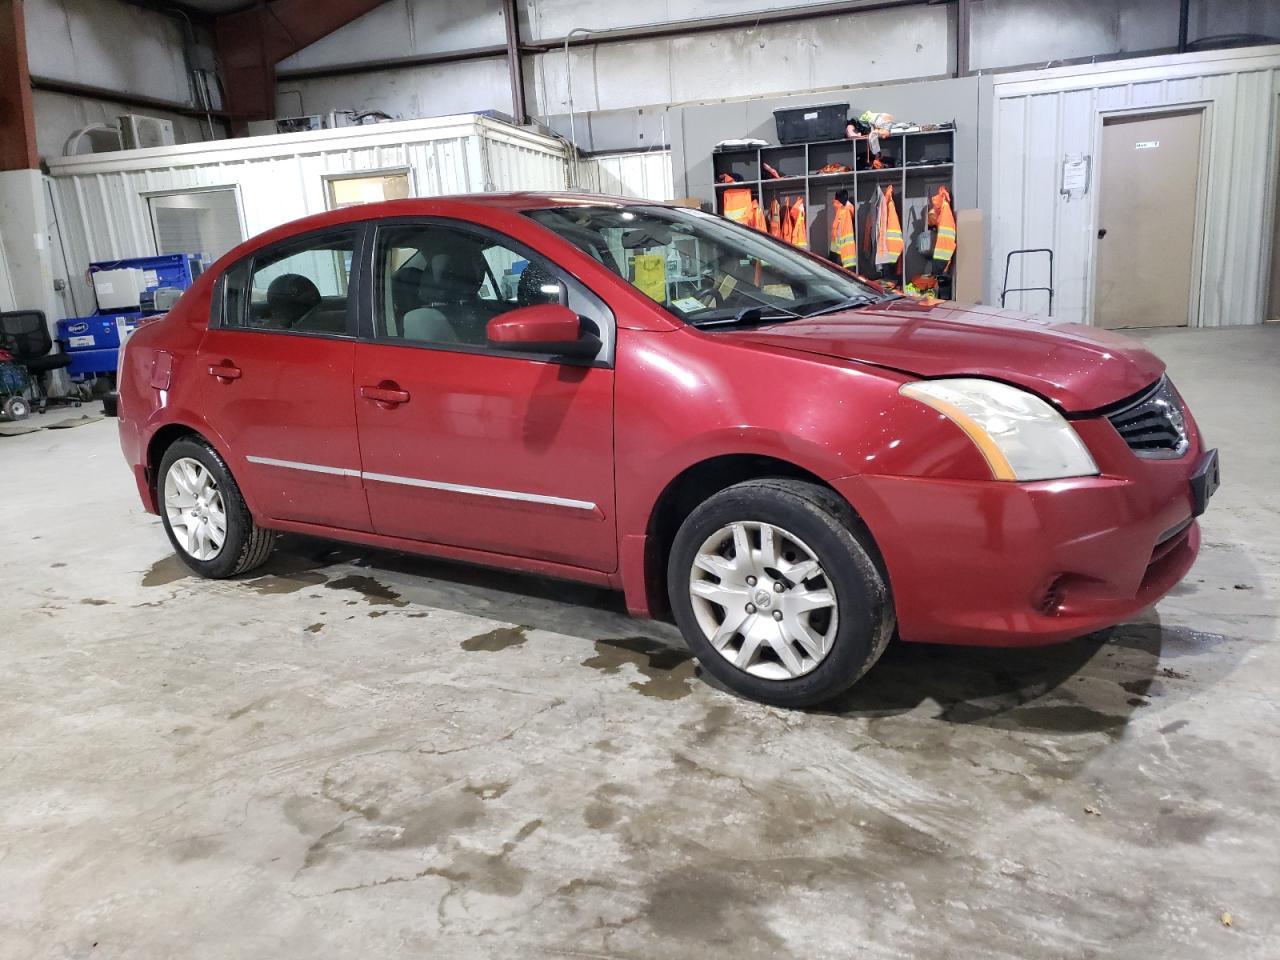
column 365, row 755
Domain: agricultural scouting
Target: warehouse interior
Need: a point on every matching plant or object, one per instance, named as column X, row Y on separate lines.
column 354, row 749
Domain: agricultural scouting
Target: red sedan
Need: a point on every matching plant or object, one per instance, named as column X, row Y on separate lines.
column 792, row 463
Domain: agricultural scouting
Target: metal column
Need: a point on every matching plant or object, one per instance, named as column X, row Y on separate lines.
column 514, row 67
column 17, row 122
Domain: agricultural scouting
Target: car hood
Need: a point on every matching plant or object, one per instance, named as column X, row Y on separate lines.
column 1079, row 368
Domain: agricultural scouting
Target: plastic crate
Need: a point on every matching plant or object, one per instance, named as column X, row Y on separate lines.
column 804, row 124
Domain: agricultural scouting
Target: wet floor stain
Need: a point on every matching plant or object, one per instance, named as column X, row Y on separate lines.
column 1174, row 727
column 503, row 638
column 1146, row 687
column 1068, row 718
column 237, row 714
column 488, row 791
column 667, row 670
column 278, row 583
column 369, row 588
column 165, row 571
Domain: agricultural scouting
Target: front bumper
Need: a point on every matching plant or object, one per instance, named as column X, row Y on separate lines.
column 1010, row 564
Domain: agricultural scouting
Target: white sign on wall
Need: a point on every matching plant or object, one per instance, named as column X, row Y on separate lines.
column 1075, row 176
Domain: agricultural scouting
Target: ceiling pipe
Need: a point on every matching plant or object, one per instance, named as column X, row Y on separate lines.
column 568, row 76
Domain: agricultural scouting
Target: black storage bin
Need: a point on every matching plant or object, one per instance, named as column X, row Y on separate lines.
column 800, row 124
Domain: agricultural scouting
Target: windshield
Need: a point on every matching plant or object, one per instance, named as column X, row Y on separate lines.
column 704, row 269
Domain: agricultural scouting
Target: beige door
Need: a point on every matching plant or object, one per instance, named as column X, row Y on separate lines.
column 1147, row 219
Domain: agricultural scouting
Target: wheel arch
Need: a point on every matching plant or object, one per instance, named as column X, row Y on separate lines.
column 699, row 481
column 166, row 436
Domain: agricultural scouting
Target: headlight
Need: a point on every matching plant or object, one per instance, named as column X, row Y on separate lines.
column 1021, row 436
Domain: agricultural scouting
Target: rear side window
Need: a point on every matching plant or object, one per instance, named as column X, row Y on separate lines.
column 301, row 286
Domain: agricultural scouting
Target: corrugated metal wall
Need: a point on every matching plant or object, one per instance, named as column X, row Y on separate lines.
column 101, row 201
column 1039, row 118
column 645, row 175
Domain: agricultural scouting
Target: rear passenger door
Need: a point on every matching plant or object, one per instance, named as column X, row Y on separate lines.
column 277, row 365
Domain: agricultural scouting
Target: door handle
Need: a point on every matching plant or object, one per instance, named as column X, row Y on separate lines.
column 225, row 371
column 387, row 394
column 1102, row 233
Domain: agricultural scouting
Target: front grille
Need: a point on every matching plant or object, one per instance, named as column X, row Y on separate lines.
column 1152, row 423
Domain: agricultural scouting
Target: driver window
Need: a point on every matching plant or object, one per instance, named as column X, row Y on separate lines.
column 442, row 285
column 301, row 287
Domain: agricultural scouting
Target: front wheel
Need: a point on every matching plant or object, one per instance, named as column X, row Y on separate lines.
column 205, row 515
column 776, row 594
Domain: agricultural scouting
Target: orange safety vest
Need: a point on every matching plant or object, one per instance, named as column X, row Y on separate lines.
column 737, row 205
column 775, row 218
column 843, row 240
column 940, row 216
column 888, row 230
column 796, row 233
column 757, row 217
column 784, row 231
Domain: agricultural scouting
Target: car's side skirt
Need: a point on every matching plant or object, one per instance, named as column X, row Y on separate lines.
column 484, row 558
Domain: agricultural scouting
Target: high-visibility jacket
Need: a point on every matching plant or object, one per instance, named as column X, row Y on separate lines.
column 757, row 217
column 737, row 205
column 888, row 229
column 942, row 217
column 775, row 218
column 785, row 229
column 844, row 242
column 799, row 233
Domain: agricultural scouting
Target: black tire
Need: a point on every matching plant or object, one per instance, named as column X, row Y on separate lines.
column 246, row 545
column 16, row 408
column 826, row 524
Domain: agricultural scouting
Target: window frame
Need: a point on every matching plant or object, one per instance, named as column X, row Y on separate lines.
column 234, row 188
column 359, row 234
column 372, row 305
column 329, row 178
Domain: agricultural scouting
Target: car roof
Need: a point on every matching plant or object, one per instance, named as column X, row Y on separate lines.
column 473, row 204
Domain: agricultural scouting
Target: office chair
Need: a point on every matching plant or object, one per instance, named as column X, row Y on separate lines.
column 25, row 334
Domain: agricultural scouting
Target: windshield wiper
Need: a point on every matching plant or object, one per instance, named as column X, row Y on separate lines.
column 746, row 315
column 853, row 303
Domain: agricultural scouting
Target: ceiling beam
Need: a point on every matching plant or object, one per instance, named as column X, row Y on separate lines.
column 17, row 122
column 252, row 41
column 170, row 7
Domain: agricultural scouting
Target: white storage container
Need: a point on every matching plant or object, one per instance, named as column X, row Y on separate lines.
column 103, row 200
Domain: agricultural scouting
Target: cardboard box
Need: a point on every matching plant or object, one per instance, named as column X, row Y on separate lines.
column 971, row 256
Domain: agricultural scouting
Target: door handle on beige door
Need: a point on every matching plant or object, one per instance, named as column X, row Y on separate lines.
column 387, row 394
column 226, row 371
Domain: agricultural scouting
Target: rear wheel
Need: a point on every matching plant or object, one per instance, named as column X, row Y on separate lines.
column 776, row 593
column 205, row 515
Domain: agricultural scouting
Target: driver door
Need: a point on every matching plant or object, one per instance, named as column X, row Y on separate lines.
column 468, row 445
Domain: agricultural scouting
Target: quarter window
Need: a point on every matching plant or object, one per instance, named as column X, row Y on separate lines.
column 299, row 287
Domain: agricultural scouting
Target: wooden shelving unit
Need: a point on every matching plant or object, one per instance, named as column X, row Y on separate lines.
column 921, row 161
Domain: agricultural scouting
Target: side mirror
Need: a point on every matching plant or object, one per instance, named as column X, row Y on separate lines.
column 549, row 328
